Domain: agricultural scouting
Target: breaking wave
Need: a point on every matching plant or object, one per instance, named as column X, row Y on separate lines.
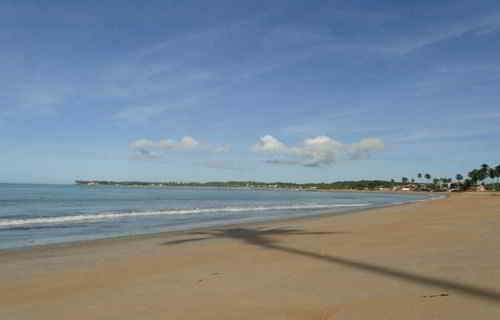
column 109, row 215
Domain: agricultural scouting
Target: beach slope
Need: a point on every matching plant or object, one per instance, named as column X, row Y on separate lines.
column 428, row 260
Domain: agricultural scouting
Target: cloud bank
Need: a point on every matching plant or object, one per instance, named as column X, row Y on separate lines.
column 151, row 149
column 318, row 151
column 167, row 144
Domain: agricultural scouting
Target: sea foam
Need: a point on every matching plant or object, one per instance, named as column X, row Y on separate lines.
column 109, row 215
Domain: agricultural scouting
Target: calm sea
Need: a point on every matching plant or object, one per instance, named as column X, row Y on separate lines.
column 43, row 214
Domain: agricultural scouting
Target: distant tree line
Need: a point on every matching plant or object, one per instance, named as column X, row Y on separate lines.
column 483, row 173
column 338, row 185
column 475, row 176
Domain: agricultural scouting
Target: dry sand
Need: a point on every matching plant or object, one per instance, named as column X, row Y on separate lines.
column 429, row 260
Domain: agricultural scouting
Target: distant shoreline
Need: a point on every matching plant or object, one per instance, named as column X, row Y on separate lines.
column 341, row 186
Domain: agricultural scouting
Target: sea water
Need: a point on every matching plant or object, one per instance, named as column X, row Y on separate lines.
column 43, row 214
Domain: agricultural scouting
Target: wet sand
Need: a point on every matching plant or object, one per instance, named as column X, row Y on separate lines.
column 436, row 259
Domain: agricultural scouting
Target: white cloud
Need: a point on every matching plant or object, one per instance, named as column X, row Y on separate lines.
column 269, row 144
column 143, row 154
column 142, row 143
column 145, row 146
column 186, row 142
column 318, row 151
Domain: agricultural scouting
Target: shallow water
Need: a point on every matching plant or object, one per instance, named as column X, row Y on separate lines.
column 43, row 214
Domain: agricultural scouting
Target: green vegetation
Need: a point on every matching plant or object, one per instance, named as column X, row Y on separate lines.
column 339, row 185
column 484, row 174
column 477, row 179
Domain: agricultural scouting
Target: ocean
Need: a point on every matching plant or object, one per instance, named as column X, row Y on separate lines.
column 45, row 214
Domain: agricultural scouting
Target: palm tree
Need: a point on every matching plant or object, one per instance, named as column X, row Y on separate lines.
column 467, row 184
column 419, row 175
column 459, row 177
column 428, row 176
column 404, row 180
column 497, row 171
column 474, row 176
column 443, row 181
column 492, row 174
column 483, row 172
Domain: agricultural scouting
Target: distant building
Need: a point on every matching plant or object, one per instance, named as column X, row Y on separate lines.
column 480, row 188
column 407, row 187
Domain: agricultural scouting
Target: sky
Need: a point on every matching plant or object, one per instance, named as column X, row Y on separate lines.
column 247, row 90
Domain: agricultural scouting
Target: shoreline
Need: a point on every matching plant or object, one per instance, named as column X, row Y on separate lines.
column 385, row 191
column 131, row 237
column 423, row 260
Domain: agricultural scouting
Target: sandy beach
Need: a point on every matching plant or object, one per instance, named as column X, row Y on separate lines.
column 428, row 260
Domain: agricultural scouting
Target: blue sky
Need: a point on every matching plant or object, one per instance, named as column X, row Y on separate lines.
column 277, row 90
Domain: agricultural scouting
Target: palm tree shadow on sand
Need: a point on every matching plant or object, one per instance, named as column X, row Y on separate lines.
column 258, row 237
column 262, row 238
